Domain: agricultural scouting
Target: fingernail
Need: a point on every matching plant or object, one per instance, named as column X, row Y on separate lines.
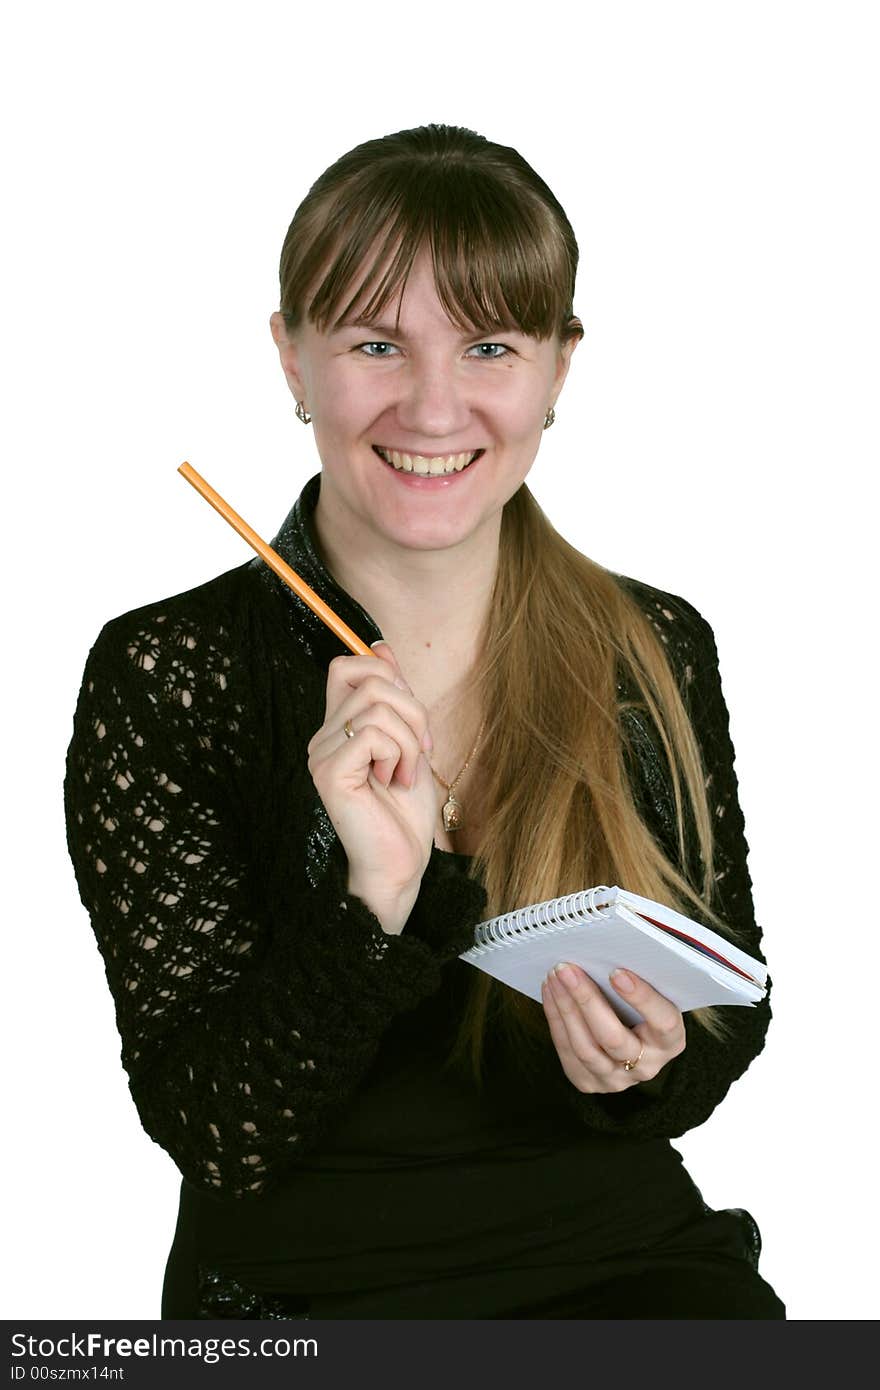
column 564, row 972
column 427, row 741
column 377, row 643
column 401, row 684
column 622, row 981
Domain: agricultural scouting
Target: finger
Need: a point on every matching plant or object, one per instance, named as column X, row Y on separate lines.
column 616, row 1042
column 352, row 692
column 607, row 1029
column 397, row 712
column 353, row 757
column 351, row 695
column 384, row 653
column 582, row 1059
column 411, row 711
column 663, row 1027
column 347, row 673
column 559, row 1034
column 403, row 764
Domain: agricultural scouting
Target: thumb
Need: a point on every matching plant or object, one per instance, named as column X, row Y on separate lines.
column 382, row 650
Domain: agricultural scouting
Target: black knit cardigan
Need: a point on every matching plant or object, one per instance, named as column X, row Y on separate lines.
column 251, row 989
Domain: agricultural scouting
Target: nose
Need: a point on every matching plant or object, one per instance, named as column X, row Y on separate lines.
column 433, row 403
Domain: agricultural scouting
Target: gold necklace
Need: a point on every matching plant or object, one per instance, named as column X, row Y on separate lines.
column 453, row 814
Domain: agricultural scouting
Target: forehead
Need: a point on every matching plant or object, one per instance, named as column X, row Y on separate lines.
column 401, row 285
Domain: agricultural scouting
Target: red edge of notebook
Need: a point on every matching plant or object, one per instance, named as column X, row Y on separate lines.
column 700, row 946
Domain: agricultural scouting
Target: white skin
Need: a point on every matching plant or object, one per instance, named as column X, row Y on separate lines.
column 422, row 563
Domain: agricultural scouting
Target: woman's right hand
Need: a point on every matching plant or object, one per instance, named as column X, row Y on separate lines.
column 377, row 787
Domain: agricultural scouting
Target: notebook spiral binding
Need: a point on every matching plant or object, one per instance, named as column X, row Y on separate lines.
column 543, row 918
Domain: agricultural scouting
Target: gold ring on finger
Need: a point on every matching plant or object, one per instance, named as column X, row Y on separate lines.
column 628, row 1066
column 347, row 729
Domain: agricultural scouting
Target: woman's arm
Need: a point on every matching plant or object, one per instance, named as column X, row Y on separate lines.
column 249, row 1000
column 689, row 1087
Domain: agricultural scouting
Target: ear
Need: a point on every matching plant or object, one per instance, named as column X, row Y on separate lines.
column 288, row 353
column 563, row 363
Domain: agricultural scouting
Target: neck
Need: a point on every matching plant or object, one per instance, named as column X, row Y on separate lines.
column 429, row 604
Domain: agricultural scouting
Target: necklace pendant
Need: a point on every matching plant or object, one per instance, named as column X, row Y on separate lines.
column 453, row 816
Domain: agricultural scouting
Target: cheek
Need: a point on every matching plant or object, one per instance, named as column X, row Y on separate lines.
column 523, row 415
column 344, row 402
column 519, row 403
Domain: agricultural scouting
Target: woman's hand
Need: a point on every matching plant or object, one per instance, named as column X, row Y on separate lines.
column 593, row 1044
column 377, row 786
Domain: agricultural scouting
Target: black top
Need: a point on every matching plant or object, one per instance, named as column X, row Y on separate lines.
column 281, row 1047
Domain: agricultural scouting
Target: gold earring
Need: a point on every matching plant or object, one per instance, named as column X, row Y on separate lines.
column 549, row 418
column 302, row 413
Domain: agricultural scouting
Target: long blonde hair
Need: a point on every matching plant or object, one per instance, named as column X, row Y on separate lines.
column 560, row 629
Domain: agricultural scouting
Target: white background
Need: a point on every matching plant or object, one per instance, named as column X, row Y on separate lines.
column 716, row 438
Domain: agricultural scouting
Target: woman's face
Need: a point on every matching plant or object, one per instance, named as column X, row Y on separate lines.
column 424, row 394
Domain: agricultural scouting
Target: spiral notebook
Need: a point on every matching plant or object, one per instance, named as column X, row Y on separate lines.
column 602, row 928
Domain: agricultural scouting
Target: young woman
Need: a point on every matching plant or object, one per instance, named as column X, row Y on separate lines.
column 284, row 848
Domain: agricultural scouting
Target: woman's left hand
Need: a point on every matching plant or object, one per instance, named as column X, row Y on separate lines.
column 593, row 1044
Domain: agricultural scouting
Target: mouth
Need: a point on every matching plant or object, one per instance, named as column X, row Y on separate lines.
column 425, row 466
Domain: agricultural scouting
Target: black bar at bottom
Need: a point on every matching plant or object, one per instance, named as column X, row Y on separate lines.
column 458, row 1354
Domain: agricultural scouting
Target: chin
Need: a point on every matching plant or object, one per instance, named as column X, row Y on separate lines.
column 433, row 533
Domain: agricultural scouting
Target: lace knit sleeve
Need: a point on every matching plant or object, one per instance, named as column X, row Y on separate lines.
column 249, row 1001
column 688, row 1089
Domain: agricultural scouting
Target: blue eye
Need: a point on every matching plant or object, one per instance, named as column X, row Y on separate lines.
column 363, row 346
column 502, row 351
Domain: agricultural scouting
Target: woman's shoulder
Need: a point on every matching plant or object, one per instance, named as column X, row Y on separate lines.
column 213, row 627
column 682, row 629
column 660, row 606
column 210, row 609
column 194, row 657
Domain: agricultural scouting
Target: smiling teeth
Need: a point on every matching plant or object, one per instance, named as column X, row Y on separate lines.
column 427, row 467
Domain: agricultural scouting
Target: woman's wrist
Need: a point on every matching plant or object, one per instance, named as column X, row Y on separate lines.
column 391, row 909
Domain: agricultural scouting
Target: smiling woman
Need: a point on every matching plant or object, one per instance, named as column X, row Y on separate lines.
column 365, row 1126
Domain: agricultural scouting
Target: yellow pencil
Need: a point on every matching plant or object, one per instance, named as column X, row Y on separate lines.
column 275, row 562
